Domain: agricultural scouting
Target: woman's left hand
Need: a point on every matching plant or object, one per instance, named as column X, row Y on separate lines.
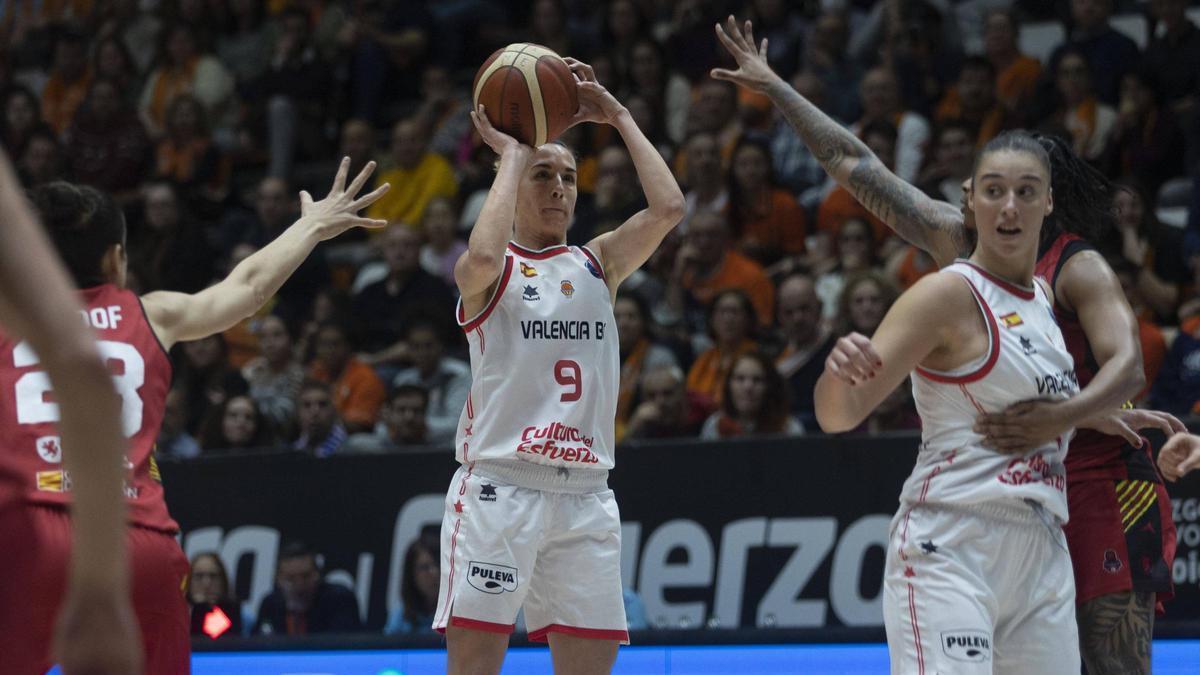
column 596, row 104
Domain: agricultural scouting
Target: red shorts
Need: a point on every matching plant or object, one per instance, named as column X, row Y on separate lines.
column 1121, row 538
column 34, row 573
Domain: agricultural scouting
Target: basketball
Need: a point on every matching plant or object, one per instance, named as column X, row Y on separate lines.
column 528, row 92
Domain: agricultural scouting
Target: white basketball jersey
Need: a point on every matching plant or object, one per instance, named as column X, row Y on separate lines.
column 1026, row 359
column 544, row 364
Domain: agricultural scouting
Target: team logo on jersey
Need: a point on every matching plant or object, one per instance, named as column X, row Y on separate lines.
column 1027, row 346
column 528, row 270
column 1112, row 564
column 487, row 492
column 1011, row 320
column 54, row 481
column 566, row 288
column 493, row 579
column 530, row 294
column 973, row 646
column 592, row 268
column 49, row 448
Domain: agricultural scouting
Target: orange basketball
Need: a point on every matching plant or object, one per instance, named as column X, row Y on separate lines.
column 528, row 92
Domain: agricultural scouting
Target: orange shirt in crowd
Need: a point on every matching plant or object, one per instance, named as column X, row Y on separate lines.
column 780, row 227
column 61, row 99
column 914, row 264
column 358, row 394
column 950, row 108
column 737, row 271
column 708, row 373
column 840, row 206
column 1154, row 352
column 1016, row 84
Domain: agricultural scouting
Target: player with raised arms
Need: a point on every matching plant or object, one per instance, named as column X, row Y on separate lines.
column 134, row 335
column 529, row 518
column 1114, row 489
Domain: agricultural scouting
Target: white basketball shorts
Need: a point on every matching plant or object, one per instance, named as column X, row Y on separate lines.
column 558, row 554
column 978, row 590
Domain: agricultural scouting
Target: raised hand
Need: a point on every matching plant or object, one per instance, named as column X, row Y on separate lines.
column 338, row 212
column 753, row 72
column 853, row 359
column 596, row 104
column 497, row 140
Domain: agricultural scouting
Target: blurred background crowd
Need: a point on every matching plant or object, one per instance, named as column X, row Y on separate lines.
column 204, row 118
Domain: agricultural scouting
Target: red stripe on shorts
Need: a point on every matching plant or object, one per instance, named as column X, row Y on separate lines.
column 450, row 583
column 912, row 612
column 540, row 634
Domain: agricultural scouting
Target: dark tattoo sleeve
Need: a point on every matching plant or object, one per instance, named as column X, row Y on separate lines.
column 1115, row 632
column 932, row 225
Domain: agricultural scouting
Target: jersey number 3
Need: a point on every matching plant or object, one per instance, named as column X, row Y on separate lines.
column 32, row 387
column 567, row 374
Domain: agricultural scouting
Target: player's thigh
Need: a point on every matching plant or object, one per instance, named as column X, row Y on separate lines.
column 576, row 584
column 574, row 655
column 1037, row 635
column 34, row 573
column 490, row 536
column 1115, row 633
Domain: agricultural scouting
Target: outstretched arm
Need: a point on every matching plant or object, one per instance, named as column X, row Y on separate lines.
column 625, row 249
column 935, row 226
column 178, row 317
column 97, row 630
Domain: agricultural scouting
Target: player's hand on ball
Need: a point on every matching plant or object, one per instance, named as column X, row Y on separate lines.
column 1180, row 455
column 497, row 140
column 853, row 359
column 97, row 634
column 338, row 212
column 752, row 72
column 596, row 104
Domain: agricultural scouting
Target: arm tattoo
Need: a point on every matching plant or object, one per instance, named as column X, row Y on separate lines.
column 1115, row 632
column 908, row 211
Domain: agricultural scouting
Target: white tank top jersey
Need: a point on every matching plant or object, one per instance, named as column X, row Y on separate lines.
column 1026, row 359
column 544, row 364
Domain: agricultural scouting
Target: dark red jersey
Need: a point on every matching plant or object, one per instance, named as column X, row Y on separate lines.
column 31, row 468
column 1091, row 454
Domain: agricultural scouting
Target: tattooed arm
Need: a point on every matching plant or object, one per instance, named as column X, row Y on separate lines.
column 935, row 226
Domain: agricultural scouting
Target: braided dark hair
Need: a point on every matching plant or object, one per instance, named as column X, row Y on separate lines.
column 1082, row 197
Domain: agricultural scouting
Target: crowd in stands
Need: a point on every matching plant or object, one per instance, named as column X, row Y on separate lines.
column 205, row 118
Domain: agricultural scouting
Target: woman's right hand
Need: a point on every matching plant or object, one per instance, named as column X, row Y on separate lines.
column 853, row 359
column 497, row 140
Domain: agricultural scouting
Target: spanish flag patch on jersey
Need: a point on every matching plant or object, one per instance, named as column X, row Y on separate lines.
column 1011, row 320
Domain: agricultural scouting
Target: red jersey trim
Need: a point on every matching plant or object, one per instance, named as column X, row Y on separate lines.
column 1008, row 286
column 474, row 323
column 540, row 254
column 993, row 348
column 595, row 261
column 540, row 635
column 150, row 326
column 485, row 626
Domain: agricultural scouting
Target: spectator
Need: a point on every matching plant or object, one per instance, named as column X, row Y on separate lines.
column 169, row 251
column 796, row 168
column 417, row 177
column 864, row 301
column 854, row 252
column 668, row 92
column 187, row 156
column 447, row 380
column 705, row 181
column 444, row 112
column 208, row 591
column 42, row 159
column 1152, row 248
column 303, row 602
column 1017, row 74
column 244, row 45
column 952, row 161
column 1107, row 53
column 1150, row 336
column 1089, row 122
column 972, row 101
column 897, row 412
column 1173, row 54
column 173, row 437
column 22, row 116
column 880, row 93
column 615, row 199
column 388, row 45
column 807, row 341
column 714, row 111
column 418, row 588
column 237, row 424
column 203, row 373
column 275, row 375
column 70, row 80
column 383, row 309
column 706, row 265
column 442, row 246
column 731, row 327
column 112, row 61
column 828, row 57
column 321, row 432
column 402, row 423
column 665, row 408
column 1148, row 139
column 357, row 391
column 765, row 218
column 107, row 146
column 183, row 69
column 754, row 402
column 624, row 23
column 639, row 354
